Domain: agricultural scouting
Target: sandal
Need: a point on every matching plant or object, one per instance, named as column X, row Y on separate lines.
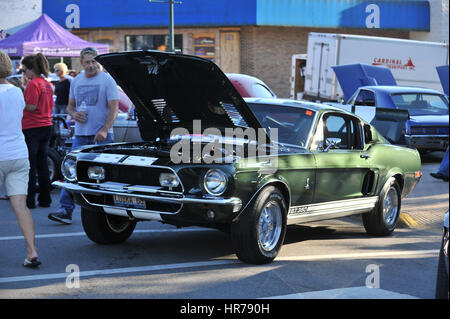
column 31, row 263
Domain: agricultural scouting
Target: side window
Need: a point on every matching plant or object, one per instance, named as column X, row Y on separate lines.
column 345, row 128
column 336, row 127
column 365, row 98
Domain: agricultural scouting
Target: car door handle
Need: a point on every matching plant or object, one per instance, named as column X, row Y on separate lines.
column 365, row 156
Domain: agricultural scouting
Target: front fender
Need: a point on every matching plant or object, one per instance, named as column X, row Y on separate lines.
column 274, row 180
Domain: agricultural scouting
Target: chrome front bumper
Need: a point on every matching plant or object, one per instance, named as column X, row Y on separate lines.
column 427, row 142
column 146, row 192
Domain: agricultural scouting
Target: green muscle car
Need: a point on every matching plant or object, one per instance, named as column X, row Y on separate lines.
column 210, row 158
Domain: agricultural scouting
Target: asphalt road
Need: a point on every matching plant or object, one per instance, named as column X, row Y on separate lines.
column 328, row 259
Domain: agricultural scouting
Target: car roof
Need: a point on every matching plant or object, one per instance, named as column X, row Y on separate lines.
column 400, row 89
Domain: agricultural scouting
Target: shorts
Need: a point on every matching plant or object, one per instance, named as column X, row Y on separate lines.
column 15, row 174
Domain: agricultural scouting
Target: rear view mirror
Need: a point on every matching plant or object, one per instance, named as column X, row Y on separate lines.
column 332, row 142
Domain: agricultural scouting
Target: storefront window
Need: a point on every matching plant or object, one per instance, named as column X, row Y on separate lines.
column 152, row 42
column 204, row 46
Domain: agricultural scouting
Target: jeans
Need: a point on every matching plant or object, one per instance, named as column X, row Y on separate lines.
column 443, row 168
column 65, row 197
column 37, row 142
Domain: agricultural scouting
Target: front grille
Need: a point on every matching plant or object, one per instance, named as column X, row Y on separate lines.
column 126, row 174
column 429, row 130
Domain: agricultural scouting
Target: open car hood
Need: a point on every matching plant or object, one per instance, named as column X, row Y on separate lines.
column 171, row 90
column 443, row 77
column 353, row 76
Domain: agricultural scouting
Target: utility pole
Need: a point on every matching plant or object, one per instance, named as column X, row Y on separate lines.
column 171, row 23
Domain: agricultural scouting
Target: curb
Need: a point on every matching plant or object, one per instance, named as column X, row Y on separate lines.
column 406, row 221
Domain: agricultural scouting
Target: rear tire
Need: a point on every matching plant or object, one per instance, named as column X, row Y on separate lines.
column 104, row 228
column 258, row 234
column 381, row 221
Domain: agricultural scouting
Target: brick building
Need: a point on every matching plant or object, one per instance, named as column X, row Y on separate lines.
column 255, row 37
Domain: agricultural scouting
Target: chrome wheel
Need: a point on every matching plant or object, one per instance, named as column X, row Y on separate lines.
column 269, row 226
column 390, row 206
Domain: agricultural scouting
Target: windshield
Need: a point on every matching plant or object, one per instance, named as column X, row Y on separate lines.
column 421, row 103
column 293, row 123
column 261, row 91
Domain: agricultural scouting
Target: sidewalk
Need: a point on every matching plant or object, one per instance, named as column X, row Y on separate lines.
column 426, row 205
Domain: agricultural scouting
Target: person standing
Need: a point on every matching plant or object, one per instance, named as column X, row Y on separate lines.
column 62, row 88
column 37, row 126
column 14, row 164
column 93, row 104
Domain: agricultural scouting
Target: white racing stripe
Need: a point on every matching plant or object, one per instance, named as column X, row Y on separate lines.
column 84, row 234
column 102, row 272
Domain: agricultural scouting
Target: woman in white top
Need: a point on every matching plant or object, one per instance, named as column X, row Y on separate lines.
column 14, row 164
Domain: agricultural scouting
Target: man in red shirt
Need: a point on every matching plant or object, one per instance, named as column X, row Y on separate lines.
column 37, row 126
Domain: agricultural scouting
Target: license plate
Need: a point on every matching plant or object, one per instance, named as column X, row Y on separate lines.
column 129, row 202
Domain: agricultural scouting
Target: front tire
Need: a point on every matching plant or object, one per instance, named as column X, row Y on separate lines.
column 258, row 234
column 104, row 228
column 381, row 221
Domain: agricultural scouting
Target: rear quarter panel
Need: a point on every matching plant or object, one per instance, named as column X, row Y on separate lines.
column 400, row 162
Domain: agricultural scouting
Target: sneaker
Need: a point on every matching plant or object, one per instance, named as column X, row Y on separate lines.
column 62, row 216
column 439, row 176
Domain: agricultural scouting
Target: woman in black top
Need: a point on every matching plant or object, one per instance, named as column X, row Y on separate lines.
column 62, row 88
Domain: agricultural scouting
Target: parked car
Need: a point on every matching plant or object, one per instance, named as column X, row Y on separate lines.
column 413, row 116
column 250, row 86
column 443, row 264
column 316, row 162
column 426, row 128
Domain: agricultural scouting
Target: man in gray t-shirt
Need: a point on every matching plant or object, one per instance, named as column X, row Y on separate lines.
column 94, row 104
column 98, row 94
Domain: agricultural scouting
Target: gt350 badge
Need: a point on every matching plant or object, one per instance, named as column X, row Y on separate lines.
column 298, row 210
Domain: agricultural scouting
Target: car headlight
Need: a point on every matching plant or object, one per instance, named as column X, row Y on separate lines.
column 168, row 180
column 96, row 172
column 69, row 169
column 215, row 182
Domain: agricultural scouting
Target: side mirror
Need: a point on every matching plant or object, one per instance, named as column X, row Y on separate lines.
column 332, row 142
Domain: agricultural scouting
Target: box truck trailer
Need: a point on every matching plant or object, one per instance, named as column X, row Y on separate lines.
column 413, row 63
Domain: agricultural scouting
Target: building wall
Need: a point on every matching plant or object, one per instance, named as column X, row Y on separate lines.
column 266, row 52
column 439, row 23
column 15, row 13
